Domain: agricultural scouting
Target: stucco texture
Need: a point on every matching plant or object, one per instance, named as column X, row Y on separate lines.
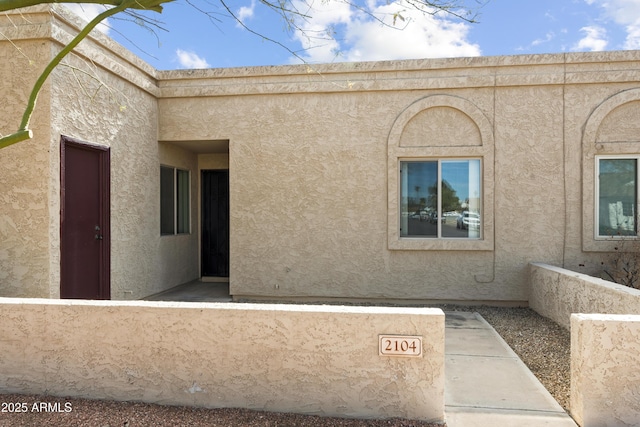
column 605, row 380
column 557, row 293
column 313, row 154
column 319, row 360
column 101, row 95
column 24, row 208
column 312, row 171
column 112, row 104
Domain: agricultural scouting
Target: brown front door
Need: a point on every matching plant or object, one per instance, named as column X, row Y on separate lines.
column 85, row 247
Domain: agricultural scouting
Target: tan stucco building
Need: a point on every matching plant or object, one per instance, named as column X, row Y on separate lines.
column 401, row 181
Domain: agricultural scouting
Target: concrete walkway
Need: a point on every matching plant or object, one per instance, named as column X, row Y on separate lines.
column 486, row 382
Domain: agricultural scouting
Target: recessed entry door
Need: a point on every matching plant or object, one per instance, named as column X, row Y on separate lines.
column 215, row 223
column 85, row 239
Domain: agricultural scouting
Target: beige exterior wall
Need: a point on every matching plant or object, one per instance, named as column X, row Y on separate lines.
column 313, row 153
column 178, row 253
column 557, row 293
column 107, row 97
column 604, row 370
column 313, row 158
column 321, row 360
column 24, row 208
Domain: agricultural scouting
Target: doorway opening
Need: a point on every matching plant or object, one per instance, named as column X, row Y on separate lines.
column 215, row 224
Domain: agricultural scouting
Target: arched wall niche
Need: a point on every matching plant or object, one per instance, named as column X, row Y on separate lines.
column 440, row 127
column 612, row 129
column 439, row 116
column 620, row 125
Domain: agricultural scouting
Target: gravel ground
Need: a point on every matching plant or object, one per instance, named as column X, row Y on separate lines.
column 541, row 344
column 100, row 413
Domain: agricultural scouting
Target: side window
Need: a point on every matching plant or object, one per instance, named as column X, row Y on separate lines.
column 174, row 201
column 441, row 198
column 617, row 196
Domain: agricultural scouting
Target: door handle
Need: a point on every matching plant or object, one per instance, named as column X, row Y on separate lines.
column 98, row 236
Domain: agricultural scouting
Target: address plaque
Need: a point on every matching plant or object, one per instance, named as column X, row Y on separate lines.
column 400, row 345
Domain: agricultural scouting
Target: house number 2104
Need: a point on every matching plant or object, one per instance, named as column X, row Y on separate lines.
column 400, row 345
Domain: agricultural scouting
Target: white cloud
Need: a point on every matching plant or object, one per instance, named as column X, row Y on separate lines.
column 89, row 11
column 625, row 13
column 190, row 60
column 633, row 37
column 595, row 39
column 315, row 35
column 246, row 12
column 547, row 38
column 360, row 37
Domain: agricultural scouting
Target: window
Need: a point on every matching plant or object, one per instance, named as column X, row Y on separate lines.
column 174, row 201
column 617, row 196
column 441, row 198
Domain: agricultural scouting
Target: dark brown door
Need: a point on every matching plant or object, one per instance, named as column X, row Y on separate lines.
column 85, row 243
column 215, row 223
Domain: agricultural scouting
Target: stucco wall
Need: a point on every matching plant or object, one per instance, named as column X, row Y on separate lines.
column 321, row 360
column 180, row 252
column 111, row 102
column 24, row 167
column 311, row 189
column 313, row 153
column 557, row 293
column 605, row 357
column 605, row 341
column 106, row 96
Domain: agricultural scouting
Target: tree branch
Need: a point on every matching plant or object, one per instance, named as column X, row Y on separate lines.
column 15, row 137
column 154, row 5
column 24, row 132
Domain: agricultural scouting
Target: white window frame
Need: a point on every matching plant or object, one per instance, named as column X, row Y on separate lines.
column 440, row 161
column 484, row 243
column 176, row 202
column 596, row 207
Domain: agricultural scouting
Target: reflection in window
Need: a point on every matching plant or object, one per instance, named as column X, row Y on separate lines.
column 440, row 198
column 617, row 196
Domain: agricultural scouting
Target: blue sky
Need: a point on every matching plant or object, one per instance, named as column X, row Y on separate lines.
column 505, row 27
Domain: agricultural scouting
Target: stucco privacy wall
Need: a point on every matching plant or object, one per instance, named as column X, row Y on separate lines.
column 320, row 360
column 106, row 96
column 312, row 198
column 605, row 357
column 557, row 293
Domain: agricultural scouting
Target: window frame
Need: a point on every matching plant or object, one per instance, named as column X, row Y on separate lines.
column 439, row 165
column 596, row 201
column 483, row 243
column 180, row 202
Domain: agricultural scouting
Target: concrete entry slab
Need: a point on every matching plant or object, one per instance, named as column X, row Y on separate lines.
column 196, row 291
